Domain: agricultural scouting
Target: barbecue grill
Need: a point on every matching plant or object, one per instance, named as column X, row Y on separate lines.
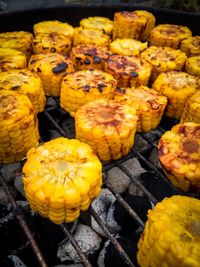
column 34, row 239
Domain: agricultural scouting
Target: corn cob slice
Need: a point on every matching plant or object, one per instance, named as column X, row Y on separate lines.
column 192, row 65
column 26, row 82
column 169, row 35
column 129, row 71
column 51, row 43
column 127, row 47
column 84, row 86
column 177, row 87
column 12, row 59
column 179, row 154
column 191, row 46
column 107, row 126
column 191, row 111
column 61, row 178
column 171, row 234
column 148, row 103
column 51, row 68
column 101, row 23
column 163, row 59
column 89, row 56
column 18, row 124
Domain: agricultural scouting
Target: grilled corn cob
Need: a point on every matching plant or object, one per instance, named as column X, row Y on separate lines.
column 191, row 111
column 61, row 178
column 129, row 71
column 127, row 47
column 179, row 154
column 171, row 235
column 177, row 87
column 148, row 103
column 107, row 126
column 163, row 59
column 101, row 23
column 18, row 124
column 84, row 86
column 51, row 68
column 192, row 65
column 191, row 46
column 26, row 82
column 12, row 59
column 89, row 56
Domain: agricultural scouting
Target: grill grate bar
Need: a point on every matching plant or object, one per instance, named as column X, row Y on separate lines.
column 149, row 141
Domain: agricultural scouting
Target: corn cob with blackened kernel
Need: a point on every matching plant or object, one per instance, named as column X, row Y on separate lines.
column 191, row 46
column 127, row 47
column 51, row 68
column 100, row 23
column 12, row 59
column 171, row 235
column 179, row 155
column 191, row 111
column 84, row 86
column 107, row 126
column 192, row 65
column 61, row 178
column 18, row 124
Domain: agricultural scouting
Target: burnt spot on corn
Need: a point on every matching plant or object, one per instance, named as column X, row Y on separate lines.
column 87, row 61
column 8, row 103
column 38, row 69
column 134, row 74
column 190, row 146
column 86, row 88
column 100, row 87
column 120, row 90
column 97, row 60
column 53, row 49
column 154, row 105
column 33, row 61
column 15, row 88
column 60, row 67
column 78, row 58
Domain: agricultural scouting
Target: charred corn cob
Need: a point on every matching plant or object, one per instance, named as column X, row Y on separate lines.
column 191, row 111
column 192, row 65
column 26, row 82
column 177, row 87
column 84, row 86
column 169, row 35
column 148, row 103
column 107, row 126
column 179, row 154
column 89, row 56
column 129, row 71
column 101, row 23
column 12, row 59
column 127, row 47
column 51, row 43
column 191, row 46
column 18, row 124
column 61, row 178
column 163, row 59
column 51, row 68
column 171, row 235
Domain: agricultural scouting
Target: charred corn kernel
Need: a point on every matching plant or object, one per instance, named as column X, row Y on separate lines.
column 89, row 56
column 163, row 59
column 61, row 177
column 90, row 36
column 177, row 87
column 19, row 126
column 191, row 111
column 51, row 68
column 192, row 65
column 107, row 126
column 128, row 70
column 169, row 35
column 12, row 59
column 100, row 23
column 179, row 154
column 148, row 103
column 171, row 235
column 51, row 43
column 127, row 47
column 191, row 46
column 84, row 86
column 26, row 82
column 54, row 26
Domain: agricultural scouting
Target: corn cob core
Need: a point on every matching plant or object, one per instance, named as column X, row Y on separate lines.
column 61, row 177
column 127, row 47
column 179, row 154
column 148, row 103
column 81, row 87
column 191, row 111
column 12, row 59
column 191, row 46
column 89, row 56
column 101, row 23
column 107, row 126
column 171, row 236
column 26, row 82
column 18, row 124
column 129, row 71
column 192, row 65
column 51, row 68
column 177, row 87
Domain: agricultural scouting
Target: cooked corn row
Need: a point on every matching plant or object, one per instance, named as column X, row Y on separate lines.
column 100, row 23
column 18, row 124
column 61, row 178
column 191, row 111
column 191, row 46
column 12, row 59
column 107, row 126
column 192, row 65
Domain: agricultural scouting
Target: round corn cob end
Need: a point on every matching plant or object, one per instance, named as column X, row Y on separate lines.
column 191, row 111
column 101, row 23
column 191, row 46
column 192, row 65
column 12, row 59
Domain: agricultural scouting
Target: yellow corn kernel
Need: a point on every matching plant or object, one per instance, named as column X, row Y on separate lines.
column 100, row 23
column 191, row 46
column 192, row 65
column 191, row 111
column 12, row 59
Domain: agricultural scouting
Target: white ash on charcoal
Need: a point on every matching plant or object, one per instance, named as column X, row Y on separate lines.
column 16, row 261
column 134, row 190
column 153, row 158
column 18, row 184
column 88, row 240
column 3, row 196
column 140, row 144
column 10, row 170
column 111, row 222
column 118, row 180
column 101, row 258
column 134, row 166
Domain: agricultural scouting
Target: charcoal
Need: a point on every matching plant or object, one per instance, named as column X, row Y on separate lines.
column 153, row 135
column 16, row 261
column 67, row 124
column 101, row 258
column 9, row 171
column 118, row 180
column 153, row 158
column 18, row 184
column 51, row 103
column 140, row 144
column 111, row 222
column 135, row 190
column 133, row 165
column 3, row 196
